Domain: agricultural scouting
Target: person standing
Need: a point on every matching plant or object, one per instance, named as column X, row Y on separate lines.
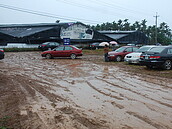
column 106, row 50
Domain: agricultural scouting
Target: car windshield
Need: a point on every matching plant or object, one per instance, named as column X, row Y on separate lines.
column 121, row 49
column 143, row 49
column 157, row 49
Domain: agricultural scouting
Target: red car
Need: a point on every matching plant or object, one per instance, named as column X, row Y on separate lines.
column 2, row 54
column 119, row 54
column 63, row 51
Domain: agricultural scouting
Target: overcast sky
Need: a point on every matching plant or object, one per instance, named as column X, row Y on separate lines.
column 86, row 11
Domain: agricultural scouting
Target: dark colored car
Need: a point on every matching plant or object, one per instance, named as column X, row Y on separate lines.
column 48, row 45
column 119, row 54
column 158, row 57
column 2, row 54
column 63, row 51
column 94, row 46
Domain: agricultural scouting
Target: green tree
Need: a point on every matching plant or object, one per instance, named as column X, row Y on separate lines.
column 126, row 25
column 163, row 31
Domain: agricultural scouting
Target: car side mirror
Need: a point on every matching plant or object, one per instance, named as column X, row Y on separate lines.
column 125, row 51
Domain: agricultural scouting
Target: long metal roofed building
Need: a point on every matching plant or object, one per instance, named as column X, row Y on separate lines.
column 38, row 33
column 127, row 37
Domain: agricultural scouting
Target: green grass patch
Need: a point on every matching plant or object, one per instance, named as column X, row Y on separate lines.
column 94, row 52
column 3, row 122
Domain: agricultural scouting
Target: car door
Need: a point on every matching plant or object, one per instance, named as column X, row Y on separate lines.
column 127, row 51
column 58, row 52
column 68, row 51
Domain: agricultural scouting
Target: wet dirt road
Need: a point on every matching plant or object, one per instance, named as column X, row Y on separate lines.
column 85, row 93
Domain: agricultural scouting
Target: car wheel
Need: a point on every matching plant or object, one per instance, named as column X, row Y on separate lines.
column 48, row 56
column 73, row 56
column 167, row 65
column 118, row 58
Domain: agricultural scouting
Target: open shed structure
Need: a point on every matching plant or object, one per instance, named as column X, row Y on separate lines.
column 38, row 33
column 127, row 37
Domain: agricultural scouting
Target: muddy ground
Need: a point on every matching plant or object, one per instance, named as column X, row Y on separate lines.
column 86, row 93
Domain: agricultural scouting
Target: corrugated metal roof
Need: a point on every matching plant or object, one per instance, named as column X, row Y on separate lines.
column 24, row 31
column 40, row 24
column 116, row 36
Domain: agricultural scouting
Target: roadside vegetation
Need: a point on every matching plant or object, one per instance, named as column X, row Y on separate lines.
column 20, row 49
column 3, row 122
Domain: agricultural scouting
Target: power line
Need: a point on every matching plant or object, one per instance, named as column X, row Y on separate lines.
column 44, row 14
column 112, row 5
column 104, row 7
column 99, row 10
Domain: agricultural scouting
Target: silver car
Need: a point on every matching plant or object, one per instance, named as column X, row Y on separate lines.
column 133, row 58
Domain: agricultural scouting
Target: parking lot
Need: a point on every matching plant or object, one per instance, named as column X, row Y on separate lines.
column 85, row 93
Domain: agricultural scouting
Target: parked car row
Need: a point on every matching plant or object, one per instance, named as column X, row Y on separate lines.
column 150, row 56
column 134, row 57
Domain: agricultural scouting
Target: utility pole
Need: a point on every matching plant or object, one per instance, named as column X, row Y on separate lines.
column 156, row 23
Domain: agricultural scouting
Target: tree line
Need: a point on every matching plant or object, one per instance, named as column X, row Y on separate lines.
column 162, row 32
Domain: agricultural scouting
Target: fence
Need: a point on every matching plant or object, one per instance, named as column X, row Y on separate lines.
column 17, row 45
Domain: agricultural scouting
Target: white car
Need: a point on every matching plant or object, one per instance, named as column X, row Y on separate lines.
column 133, row 58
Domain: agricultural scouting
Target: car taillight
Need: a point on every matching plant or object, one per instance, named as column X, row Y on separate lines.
column 154, row 57
column 2, row 50
column 43, row 45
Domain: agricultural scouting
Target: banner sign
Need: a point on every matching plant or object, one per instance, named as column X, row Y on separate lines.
column 66, row 41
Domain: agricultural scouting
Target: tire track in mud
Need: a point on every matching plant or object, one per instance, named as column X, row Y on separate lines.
column 138, row 116
column 148, row 121
column 35, row 119
column 82, row 118
column 134, row 114
column 162, row 82
column 72, row 115
column 155, row 88
column 79, row 120
column 113, row 96
column 128, row 89
column 30, row 87
column 140, row 84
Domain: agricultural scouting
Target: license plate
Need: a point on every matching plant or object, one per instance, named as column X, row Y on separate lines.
column 146, row 57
